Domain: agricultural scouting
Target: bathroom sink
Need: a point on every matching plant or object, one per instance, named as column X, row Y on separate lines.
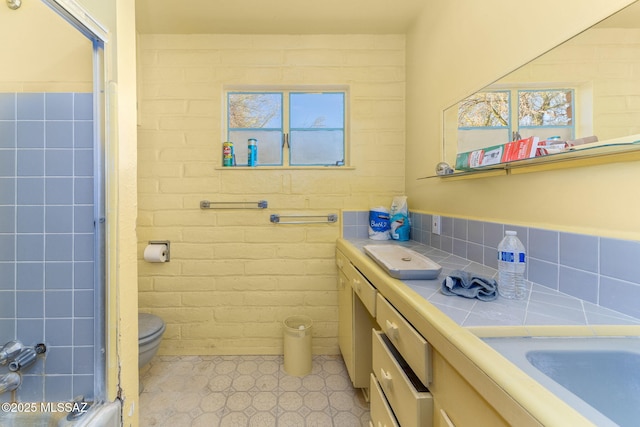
column 599, row 377
column 403, row 263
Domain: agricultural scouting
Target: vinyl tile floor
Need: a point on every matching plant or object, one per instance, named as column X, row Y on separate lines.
column 248, row 391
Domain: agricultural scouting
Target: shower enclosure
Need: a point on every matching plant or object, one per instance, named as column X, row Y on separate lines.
column 52, row 215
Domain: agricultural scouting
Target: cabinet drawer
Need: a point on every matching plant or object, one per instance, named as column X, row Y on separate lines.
column 361, row 286
column 381, row 413
column 410, row 401
column 365, row 291
column 341, row 260
column 411, row 345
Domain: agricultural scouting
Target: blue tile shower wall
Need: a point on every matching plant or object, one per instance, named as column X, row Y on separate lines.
column 599, row 270
column 46, row 239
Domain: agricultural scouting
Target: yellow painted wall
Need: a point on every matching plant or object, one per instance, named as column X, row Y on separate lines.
column 118, row 17
column 42, row 53
column 450, row 54
column 234, row 276
column 123, row 209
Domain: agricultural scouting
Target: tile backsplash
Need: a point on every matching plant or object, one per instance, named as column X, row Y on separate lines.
column 600, row 270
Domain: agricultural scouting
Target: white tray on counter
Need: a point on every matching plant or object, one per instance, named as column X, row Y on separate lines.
column 403, row 263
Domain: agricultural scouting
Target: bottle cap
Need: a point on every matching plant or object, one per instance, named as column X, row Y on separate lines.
column 511, row 233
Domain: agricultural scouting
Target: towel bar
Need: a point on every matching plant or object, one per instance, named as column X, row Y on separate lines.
column 328, row 219
column 206, row 204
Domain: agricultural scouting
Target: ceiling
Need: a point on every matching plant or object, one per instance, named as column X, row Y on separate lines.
column 629, row 17
column 296, row 16
column 276, row 16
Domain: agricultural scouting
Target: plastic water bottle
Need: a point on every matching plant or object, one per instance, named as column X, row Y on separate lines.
column 511, row 266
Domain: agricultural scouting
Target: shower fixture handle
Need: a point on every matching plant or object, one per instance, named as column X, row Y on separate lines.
column 24, row 359
column 19, row 356
column 10, row 382
column 9, row 351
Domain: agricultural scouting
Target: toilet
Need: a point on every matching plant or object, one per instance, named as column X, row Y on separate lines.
column 150, row 330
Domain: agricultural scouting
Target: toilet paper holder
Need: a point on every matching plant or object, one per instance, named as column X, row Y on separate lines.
column 167, row 243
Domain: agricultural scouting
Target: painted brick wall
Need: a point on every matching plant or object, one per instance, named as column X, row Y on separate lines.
column 233, row 276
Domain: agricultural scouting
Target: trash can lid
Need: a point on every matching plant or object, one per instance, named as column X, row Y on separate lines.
column 298, row 323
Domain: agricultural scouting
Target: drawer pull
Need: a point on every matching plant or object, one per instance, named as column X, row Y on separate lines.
column 340, row 263
column 341, row 283
column 392, row 330
column 385, row 379
column 357, row 285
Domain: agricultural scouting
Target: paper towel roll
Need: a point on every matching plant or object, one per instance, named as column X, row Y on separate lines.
column 155, row 253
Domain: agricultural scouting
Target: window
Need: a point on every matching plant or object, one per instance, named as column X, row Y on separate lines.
column 486, row 118
column 292, row 128
column 484, row 110
column 547, row 112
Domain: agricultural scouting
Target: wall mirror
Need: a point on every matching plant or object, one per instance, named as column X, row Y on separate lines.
column 588, row 86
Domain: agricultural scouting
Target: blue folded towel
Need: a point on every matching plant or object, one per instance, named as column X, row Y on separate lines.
column 465, row 285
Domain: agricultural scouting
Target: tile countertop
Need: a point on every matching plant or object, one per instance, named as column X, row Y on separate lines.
column 455, row 325
column 542, row 307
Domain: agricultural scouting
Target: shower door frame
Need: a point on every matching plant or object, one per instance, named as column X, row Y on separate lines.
column 81, row 19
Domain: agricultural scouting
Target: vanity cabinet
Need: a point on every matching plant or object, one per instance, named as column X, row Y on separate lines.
column 377, row 360
column 411, row 382
column 356, row 311
column 457, row 402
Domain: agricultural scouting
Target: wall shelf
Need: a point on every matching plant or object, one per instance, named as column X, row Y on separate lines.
column 603, row 153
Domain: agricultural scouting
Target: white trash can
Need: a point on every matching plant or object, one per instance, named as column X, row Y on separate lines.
column 297, row 345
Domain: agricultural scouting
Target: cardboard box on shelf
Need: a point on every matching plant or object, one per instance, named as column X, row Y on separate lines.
column 478, row 158
column 525, row 148
column 520, row 149
column 514, row 150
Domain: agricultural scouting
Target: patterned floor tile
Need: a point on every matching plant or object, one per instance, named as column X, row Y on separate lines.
column 248, row 391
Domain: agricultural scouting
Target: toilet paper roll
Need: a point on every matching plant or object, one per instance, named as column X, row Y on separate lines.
column 155, row 253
